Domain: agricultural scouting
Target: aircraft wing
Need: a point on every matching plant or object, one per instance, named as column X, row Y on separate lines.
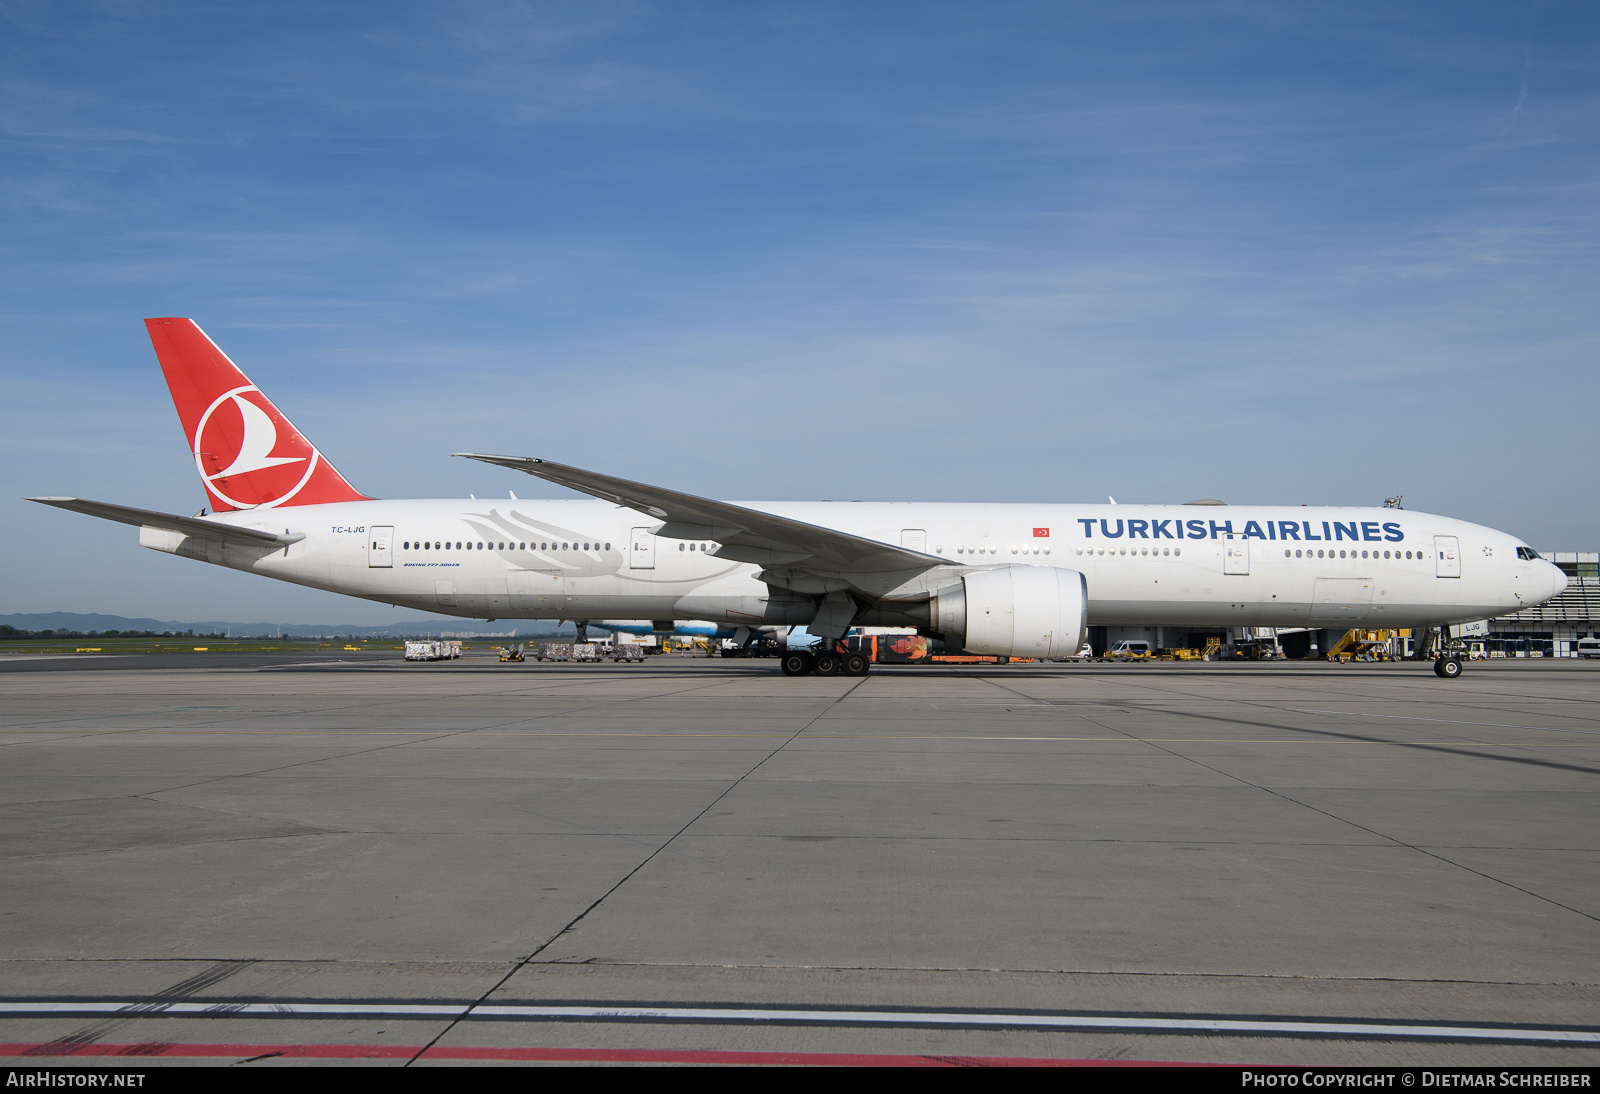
column 189, row 526
column 745, row 535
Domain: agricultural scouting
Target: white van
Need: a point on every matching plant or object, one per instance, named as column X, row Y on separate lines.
column 1130, row 647
column 1589, row 647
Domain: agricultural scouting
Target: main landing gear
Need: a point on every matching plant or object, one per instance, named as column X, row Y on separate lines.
column 1447, row 667
column 825, row 663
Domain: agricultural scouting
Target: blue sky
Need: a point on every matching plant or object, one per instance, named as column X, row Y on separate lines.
column 1268, row 253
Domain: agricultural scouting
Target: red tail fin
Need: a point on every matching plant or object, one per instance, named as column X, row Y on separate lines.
column 248, row 453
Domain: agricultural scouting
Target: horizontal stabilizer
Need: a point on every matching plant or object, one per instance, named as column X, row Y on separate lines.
column 189, row 526
column 746, row 535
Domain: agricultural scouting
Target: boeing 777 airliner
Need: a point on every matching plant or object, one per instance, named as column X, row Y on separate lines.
column 1013, row 580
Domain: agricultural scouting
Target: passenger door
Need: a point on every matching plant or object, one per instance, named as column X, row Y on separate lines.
column 380, row 546
column 1236, row 556
column 641, row 550
column 914, row 539
column 1447, row 553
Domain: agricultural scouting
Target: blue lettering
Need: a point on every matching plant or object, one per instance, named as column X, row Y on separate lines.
column 1272, row 532
column 1325, row 533
column 1369, row 531
column 1344, row 530
column 1251, row 528
column 1138, row 528
column 1225, row 526
column 1107, row 532
column 1289, row 529
column 1197, row 529
column 1158, row 530
column 1088, row 527
column 1395, row 534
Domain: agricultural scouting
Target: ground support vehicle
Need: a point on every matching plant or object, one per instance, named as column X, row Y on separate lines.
column 762, row 645
column 1257, row 649
column 891, row 649
column 433, row 651
column 1085, row 653
column 1361, row 645
column 510, row 653
column 1129, row 650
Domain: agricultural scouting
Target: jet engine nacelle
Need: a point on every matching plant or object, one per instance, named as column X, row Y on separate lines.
column 1015, row 611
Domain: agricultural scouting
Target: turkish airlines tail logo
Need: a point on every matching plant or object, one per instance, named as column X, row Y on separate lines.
column 249, row 455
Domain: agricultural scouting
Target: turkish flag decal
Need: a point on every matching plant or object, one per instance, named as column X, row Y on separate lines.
column 1041, row 533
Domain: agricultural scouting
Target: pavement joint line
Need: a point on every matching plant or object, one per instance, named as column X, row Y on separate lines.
column 1454, row 750
column 378, row 748
column 1383, row 835
column 1378, row 841
column 522, row 964
column 1259, row 705
column 1437, row 856
column 1314, row 978
column 521, row 1054
column 30, row 726
column 826, row 1017
column 1364, row 828
column 335, row 962
column 433, row 735
column 1446, row 721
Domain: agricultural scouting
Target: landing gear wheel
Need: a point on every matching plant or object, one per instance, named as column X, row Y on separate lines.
column 828, row 664
column 856, row 665
column 1447, row 667
column 797, row 663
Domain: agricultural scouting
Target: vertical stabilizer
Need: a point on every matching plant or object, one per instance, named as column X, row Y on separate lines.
column 249, row 455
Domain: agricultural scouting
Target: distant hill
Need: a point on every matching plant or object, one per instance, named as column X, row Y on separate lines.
column 88, row 623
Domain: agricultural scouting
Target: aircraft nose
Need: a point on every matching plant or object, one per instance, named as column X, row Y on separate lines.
column 1558, row 579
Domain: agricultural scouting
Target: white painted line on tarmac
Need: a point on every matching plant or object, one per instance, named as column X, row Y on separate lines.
column 758, row 1015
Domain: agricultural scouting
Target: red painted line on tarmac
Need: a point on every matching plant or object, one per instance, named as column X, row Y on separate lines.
column 154, row 1049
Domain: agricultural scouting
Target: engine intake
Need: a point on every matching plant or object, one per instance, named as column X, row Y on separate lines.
column 1015, row 611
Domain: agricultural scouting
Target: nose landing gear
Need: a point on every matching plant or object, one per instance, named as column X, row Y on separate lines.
column 1447, row 668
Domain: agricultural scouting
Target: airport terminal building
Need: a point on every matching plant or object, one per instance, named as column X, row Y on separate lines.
column 1553, row 629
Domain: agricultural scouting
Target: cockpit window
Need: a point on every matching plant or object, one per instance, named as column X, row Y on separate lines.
column 1527, row 554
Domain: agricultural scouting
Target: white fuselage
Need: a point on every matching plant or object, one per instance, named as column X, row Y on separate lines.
column 1165, row 564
